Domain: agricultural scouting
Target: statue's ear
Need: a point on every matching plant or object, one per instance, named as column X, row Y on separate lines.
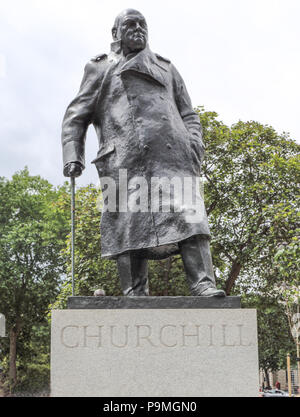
column 114, row 33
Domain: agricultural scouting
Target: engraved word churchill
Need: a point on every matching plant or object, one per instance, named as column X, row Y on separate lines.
column 146, row 335
column 146, row 126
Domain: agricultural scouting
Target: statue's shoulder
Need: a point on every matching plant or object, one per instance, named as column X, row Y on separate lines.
column 99, row 57
column 93, row 67
column 161, row 58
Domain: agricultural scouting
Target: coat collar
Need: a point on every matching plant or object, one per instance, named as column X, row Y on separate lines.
column 145, row 62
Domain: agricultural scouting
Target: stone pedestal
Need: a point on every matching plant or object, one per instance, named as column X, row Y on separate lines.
column 117, row 350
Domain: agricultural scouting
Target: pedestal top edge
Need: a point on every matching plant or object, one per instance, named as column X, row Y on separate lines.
column 162, row 302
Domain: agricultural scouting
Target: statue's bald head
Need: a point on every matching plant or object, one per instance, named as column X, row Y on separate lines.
column 131, row 29
column 119, row 21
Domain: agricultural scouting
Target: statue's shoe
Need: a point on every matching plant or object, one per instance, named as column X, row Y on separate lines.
column 212, row 292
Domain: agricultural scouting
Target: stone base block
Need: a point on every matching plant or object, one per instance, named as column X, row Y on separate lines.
column 154, row 353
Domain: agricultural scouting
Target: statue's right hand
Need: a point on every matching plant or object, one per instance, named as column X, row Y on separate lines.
column 73, row 169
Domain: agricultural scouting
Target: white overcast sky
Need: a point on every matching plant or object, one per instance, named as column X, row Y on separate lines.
column 240, row 58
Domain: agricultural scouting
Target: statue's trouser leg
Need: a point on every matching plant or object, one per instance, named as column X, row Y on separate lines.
column 133, row 273
column 197, row 261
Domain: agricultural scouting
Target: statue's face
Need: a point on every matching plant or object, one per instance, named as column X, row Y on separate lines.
column 133, row 32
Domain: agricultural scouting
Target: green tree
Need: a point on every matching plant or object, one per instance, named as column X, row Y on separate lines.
column 33, row 226
column 274, row 338
column 252, row 176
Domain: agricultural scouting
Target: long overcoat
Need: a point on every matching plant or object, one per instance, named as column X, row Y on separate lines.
column 146, row 128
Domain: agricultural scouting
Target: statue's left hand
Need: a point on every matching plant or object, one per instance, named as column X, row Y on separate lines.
column 73, row 169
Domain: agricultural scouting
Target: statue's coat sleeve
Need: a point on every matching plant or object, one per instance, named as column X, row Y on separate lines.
column 79, row 115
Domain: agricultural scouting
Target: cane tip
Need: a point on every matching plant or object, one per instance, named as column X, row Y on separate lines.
column 99, row 293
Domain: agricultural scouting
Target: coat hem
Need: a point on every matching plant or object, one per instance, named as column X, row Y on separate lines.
column 115, row 255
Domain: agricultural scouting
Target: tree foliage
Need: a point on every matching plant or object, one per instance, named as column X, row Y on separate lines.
column 274, row 338
column 252, row 176
column 33, row 226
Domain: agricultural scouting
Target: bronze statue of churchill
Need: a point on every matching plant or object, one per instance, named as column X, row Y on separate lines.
column 146, row 127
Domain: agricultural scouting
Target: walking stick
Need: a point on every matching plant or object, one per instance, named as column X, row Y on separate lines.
column 73, row 233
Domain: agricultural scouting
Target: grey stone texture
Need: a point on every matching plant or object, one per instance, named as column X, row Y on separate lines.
column 152, row 302
column 153, row 352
